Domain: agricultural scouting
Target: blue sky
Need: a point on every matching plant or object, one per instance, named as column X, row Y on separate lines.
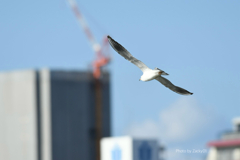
column 196, row 42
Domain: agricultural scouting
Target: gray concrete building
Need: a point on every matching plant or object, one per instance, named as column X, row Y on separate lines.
column 50, row 114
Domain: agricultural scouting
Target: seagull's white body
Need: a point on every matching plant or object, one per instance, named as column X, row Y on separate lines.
column 148, row 74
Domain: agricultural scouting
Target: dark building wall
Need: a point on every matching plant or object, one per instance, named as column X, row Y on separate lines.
column 106, row 103
column 73, row 114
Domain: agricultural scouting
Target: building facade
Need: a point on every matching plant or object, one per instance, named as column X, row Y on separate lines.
column 129, row 148
column 228, row 147
column 51, row 114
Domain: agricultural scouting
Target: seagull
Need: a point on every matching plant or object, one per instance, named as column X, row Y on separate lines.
column 148, row 74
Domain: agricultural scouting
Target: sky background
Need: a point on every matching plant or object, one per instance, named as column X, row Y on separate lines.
column 196, row 42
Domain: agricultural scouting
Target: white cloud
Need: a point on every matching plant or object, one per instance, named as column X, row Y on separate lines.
column 147, row 129
column 182, row 121
column 179, row 122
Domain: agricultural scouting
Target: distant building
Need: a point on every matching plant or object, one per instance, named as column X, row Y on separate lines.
column 228, row 147
column 50, row 114
column 128, row 148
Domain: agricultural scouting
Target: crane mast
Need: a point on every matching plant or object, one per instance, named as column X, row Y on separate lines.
column 100, row 61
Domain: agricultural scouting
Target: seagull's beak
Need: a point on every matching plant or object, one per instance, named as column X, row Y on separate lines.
column 140, row 79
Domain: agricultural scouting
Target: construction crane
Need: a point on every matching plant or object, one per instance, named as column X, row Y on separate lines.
column 100, row 61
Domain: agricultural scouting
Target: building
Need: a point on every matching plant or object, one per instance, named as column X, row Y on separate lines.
column 228, row 147
column 50, row 114
column 128, row 148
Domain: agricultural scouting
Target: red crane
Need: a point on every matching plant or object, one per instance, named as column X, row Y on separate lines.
column 101, row 59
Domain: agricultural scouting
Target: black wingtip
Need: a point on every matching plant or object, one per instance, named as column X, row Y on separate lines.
column 110, row 38
column 191, row 93
column 187, row 93
column 116, row 46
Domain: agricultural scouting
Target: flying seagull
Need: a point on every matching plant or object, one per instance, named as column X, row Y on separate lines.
column 148, row 74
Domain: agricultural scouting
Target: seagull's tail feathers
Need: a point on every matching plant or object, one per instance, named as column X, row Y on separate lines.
column 162, row 72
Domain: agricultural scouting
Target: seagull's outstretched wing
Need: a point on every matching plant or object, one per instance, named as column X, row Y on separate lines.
column 174, row 88
column 123, row 52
